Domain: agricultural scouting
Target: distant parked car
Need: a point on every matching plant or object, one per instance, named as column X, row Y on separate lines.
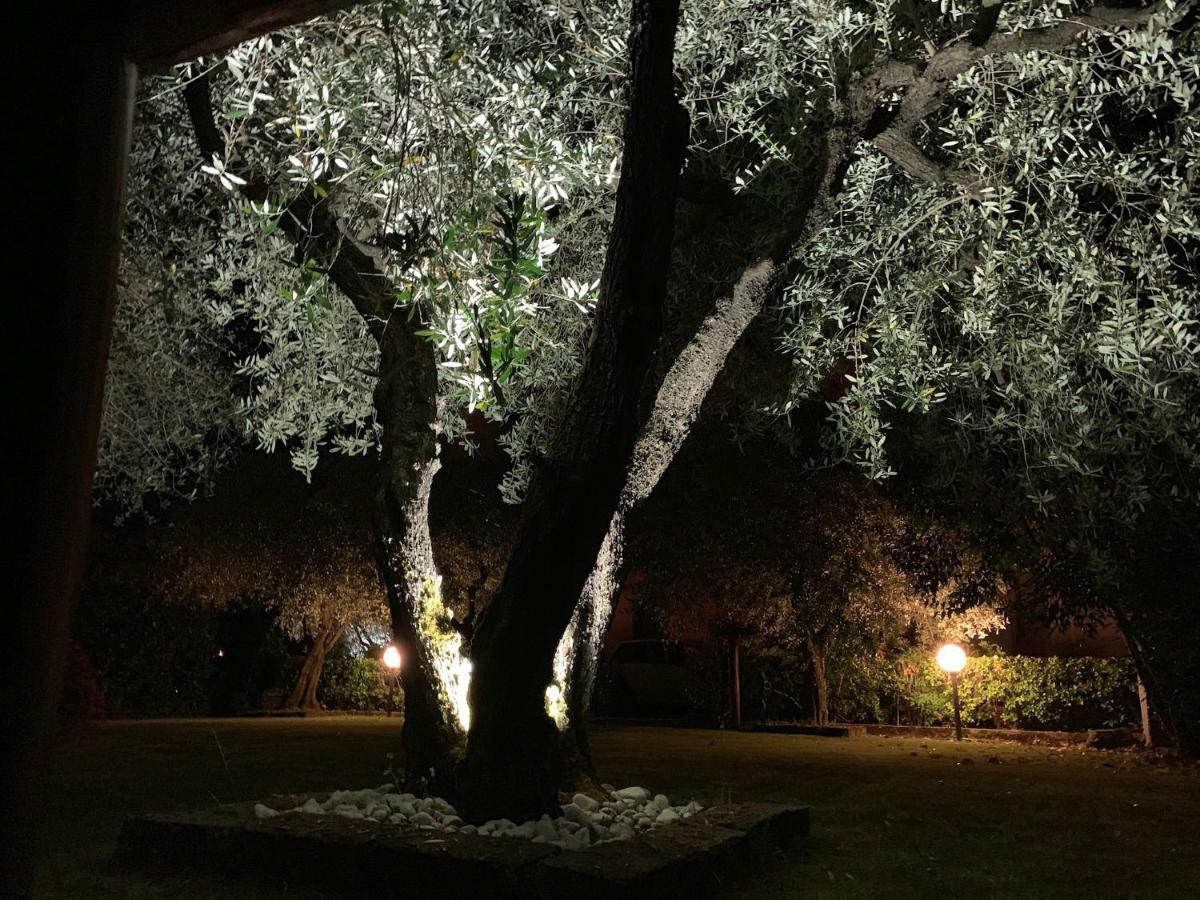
column 651, row 679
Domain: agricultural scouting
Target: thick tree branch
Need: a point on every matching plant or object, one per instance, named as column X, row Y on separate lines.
column 676, row 407
column 901, row 149
column 161, row 33
column 925, row 89
column 309, row 220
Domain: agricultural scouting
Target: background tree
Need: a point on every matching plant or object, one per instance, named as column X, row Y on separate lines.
column 303, row 555
column 805, row 566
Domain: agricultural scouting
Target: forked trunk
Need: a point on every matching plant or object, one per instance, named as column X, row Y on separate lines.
column 304, row 694
column 513, row 765
column 744, row 277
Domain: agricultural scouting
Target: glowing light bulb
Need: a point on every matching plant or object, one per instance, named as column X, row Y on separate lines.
column 952, row 658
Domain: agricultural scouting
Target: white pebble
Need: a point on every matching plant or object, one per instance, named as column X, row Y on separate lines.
column 573, row 813
column 583, row 822
column 637, row 794
column 586, row 803
column 544, row 828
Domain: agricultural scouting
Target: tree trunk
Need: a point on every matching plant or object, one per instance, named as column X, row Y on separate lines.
column 304, row 694
column 1168, row 666
column 735, row 680
column 513, row 767
column 432, row 667
column 744, row 279
column 675, row 410
column 433, row 670
column 1154, row 604
column 820, row 682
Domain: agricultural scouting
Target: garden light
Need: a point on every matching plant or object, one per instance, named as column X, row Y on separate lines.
column 952, row 659
column 391, row 659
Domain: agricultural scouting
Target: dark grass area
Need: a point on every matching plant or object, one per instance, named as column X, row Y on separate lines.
column 892, row 817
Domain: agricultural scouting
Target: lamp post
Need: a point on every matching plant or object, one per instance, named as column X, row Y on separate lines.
column 952, row 659
column 391, row 659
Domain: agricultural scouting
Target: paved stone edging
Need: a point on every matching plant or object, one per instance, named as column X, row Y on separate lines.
column 699, row 855
column 1100, row 738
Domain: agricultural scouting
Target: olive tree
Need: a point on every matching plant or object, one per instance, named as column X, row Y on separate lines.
column 385, row 160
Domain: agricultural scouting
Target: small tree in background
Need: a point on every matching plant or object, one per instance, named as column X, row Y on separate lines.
column 304, row 557
column 813, row 566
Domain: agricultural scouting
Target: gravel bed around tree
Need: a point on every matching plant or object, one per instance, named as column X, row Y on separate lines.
column 585, row 820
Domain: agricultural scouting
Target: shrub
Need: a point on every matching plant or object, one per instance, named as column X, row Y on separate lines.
column 995, row 690
column 152, row 658
column 356, row 684
column 1020, row 691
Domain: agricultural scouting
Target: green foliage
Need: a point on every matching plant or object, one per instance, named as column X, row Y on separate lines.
column 152, row 658
column 999, row 690
column 1038, row 297
column 995, row 690
column 357, row 684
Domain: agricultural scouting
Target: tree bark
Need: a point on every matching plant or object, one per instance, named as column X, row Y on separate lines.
column 512, row 767
column 406, row 404
column 735, row 679
column 820, row 682
column 676, row 408
column 747, row 275
column 304, row 693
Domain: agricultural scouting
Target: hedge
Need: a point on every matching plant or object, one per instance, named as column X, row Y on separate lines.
column 995, row 689
column 1020, row 691
column 356, row 684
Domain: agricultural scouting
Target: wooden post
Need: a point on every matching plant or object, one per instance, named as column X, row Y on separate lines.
column 68, row 202
column 957, row 713
column 1144, row 705
column 736, row 677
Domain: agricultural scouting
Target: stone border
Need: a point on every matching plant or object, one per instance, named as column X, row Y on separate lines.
column 1096, row 738
column 699, row 855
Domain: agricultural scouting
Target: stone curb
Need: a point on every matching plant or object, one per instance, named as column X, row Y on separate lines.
column 699, row 856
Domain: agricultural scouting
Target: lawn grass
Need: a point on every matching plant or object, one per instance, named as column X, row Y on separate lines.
column 892, row 817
